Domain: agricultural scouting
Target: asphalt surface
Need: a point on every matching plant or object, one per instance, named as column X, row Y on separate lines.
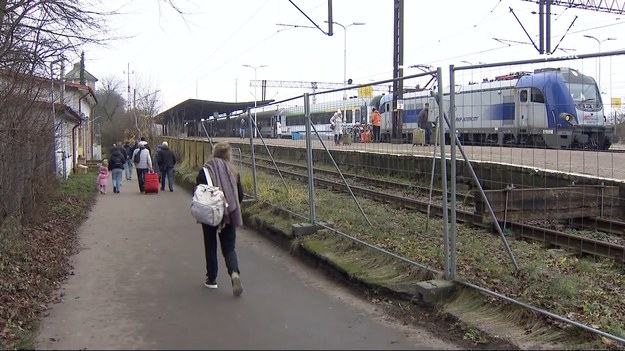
column 138, row 284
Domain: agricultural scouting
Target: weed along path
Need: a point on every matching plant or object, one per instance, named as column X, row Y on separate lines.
column 138, row 283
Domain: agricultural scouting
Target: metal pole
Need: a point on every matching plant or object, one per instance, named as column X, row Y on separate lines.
column 344, row 56
column 249, row 116
column 207, row 135
column 309, row 160
column 599, row 67
column 441, row 133
column 452, row 168
column 255, row 103
column 427, row 220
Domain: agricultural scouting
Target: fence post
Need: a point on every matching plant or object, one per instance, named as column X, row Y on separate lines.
column 309, row 159
column 452, row 169
column 441, row 133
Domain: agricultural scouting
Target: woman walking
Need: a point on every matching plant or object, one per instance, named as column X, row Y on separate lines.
column 223, row 175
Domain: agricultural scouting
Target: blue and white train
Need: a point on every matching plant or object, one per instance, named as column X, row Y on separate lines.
column 552, row 107
column 555, row 108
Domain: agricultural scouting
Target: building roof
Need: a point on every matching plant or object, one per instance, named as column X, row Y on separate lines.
column 194, row 109
column 74, row 74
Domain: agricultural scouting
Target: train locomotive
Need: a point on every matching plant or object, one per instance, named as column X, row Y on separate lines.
column 552, row 107
column 558, row 108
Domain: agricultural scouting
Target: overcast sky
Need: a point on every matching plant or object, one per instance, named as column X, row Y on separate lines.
column 201, row 55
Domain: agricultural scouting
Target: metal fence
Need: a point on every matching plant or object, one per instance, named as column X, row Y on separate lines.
column 525, row 150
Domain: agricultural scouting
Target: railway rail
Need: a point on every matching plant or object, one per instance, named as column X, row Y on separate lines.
column 526, row 231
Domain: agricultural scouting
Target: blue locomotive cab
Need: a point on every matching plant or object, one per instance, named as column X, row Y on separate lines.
column 573, row 110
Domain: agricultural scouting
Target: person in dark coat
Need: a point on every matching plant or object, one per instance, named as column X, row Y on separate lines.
column 225, row 176
column 129, row 151
column 166, row 160
column 117, row 160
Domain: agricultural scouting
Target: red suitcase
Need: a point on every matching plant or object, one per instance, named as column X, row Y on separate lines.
column 150, row 184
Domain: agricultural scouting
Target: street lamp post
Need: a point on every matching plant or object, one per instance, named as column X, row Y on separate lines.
column 345, row 46
column 598, row 62
column 255, row 98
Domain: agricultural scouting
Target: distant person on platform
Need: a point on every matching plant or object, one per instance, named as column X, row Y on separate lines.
column 336, row 124
column 166, row 161
column 424, row 123
column 279, row 129
column 376, row 121
column 242, row 128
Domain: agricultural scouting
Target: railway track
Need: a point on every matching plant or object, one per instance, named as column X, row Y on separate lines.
column 552, row 237
column 359, row 179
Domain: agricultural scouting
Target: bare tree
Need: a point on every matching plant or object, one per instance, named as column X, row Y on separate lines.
column 34, row 32
column 110, row 100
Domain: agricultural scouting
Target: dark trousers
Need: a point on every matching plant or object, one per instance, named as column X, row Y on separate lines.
column 376, row 133
column 141, row 177
column 227, row 238
column 428, row 132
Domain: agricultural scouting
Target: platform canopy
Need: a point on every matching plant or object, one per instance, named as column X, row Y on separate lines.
column 194, row 110
column 186, row 118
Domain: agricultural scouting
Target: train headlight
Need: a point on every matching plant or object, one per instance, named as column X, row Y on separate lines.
column 566, row 116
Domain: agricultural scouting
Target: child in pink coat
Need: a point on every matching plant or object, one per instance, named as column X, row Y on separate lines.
column 102, row 179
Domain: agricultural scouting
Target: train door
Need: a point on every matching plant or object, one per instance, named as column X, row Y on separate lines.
column 273, row 120
column 523, row 108
column 387, row 117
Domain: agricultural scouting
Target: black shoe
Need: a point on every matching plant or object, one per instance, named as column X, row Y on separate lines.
column 171, row 190
column 211, row 283
column 115, row 189
column 162, row 189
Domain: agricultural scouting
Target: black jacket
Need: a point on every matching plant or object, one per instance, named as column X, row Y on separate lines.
column 165, row 158
column 116, row 160
column 128, row 149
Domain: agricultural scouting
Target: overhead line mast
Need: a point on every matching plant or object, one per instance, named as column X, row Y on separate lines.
column 544, row 11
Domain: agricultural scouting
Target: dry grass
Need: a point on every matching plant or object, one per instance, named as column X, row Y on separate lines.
column 583, row 289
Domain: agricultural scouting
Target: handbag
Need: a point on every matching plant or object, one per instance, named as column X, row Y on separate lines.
column 208, row 204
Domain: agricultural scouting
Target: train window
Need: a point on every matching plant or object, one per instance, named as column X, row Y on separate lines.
column 537, row 96
column 523, row 96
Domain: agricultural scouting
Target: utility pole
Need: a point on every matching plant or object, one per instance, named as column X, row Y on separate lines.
column 128, row 73
column 398, row 69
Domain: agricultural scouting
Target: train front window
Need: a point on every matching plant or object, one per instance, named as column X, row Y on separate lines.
column 584, row 93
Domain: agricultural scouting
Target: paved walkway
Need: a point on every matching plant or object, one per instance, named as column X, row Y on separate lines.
column 138, row 284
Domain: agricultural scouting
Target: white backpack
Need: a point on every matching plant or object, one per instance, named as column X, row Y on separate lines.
column 209, row 203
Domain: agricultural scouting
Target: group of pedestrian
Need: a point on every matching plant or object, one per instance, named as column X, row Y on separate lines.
column 126, row 156
column 336, row 125
column 223, row 174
